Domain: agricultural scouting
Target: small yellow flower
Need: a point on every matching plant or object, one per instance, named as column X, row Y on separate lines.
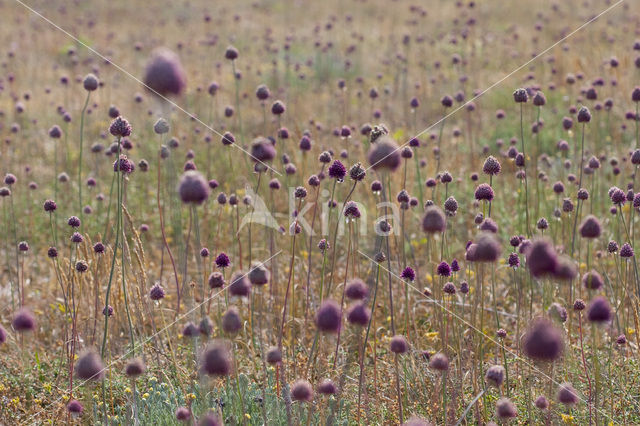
column 153, row 379
column 567, row 419
column 389, row 319
column 247, row 416
column 429, row 278
column 145, row 396
column 191, row 396
column 127, row 390
column 46, row 386
column 631, row 330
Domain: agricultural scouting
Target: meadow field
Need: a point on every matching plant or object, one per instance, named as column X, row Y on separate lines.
column 337, row 212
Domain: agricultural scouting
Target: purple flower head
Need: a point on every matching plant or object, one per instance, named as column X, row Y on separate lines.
column 599, row 310
column 434, row 220
column 543, row 342
column 156, row 292
column 164, row 74
column 384, row 154
column 359, row 314
column 216, row 360
column 301, row 391
column 443, row 269
column 590, row 227
column 626, row 251
column 328, row 317
column 491, row 166
column 193, row 187
column 120, row 127
column 356, row 289
column 567, row 395
column 541, row 258
column 398, row 344
column 484, row 192
column 408, row 274
column 337, row 170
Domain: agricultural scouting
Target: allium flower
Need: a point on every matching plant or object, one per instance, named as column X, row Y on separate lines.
column 439, row 362
column 193, row 187
column 567, row 395
column 120, row 127
column 74, row 407
column 278, row 108
column 89, row 366
column 164, row 74
column 337, row 170
column 215, row 360
column 135, row 368
column 356, row 289
column 495, row 375
column 183, row 414
column 584, row 116
column 231, row 321
column 90, row 82
column 520, row 96
column 240, row 285
column 542, row 403
column 351, row 210
column 262, row 150
column 156, row 292
column 327, row 387
column 514, row 260
column 592, row 280
column 543, row 342
column 541, row 258
column 449, row 288
column 488, row 248
column 216, row 280
column 23, row 321
column 259, row 274
column 491, row 166
column 384, row 154
column 626, row 251
column 398, row 344
column 579, row 305
column 433, row 220
column 451, row 206
column 359, row 314
column 599, row 310
column 505, row 409
column 484, row 192
column 557, row 312
column 273, row 355
column 357, row 172
column 443, row 269
column 301, row 391
column 328, row 317
column 408, row 274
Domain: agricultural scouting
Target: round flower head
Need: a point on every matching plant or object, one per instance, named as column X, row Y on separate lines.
column 210, row 419
column 23, row 321
column 222, row 261
column 567, row 395
column 541, row 402
column 356, row 289
column 443, row 269
column 433, row 220
column 302, row 391
column 489, row 225
column 541, row 258
column 495, row 375
column 592, row 280
column 359, row 314
column 357, row 172
column 408, row 274
column 337, row 170
column 193, row 187
column 599, row 310
column 164, row 74
column 384, row 154
column 626, row 251
column 183, row 414
column 216, row 280
column 579, row 305
column 74, row 407
column 240, row 285
column 135, row 368
column 520, row 96
column 543, row 342
column 328, row 317
column 262, row 92
column 584, row 116
column 327, row 387
column 488, row 248
column 215, row 360
column 262, row 150
column 120, row 127
column 491, row 166
column 539, row 99
column 259, row 274
column 566, row 269
column 514, row 260
column 484, row 192
column 55, row 132
column 273, row 355
column 451, row 206
column 156, row 292
column 205, row 326
column 89, row 366
column 398, row 344
column 449, row 288
column 439, row 362
column 505, row 409
column 90, row 82
column 278, row 108
column 231, row 321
